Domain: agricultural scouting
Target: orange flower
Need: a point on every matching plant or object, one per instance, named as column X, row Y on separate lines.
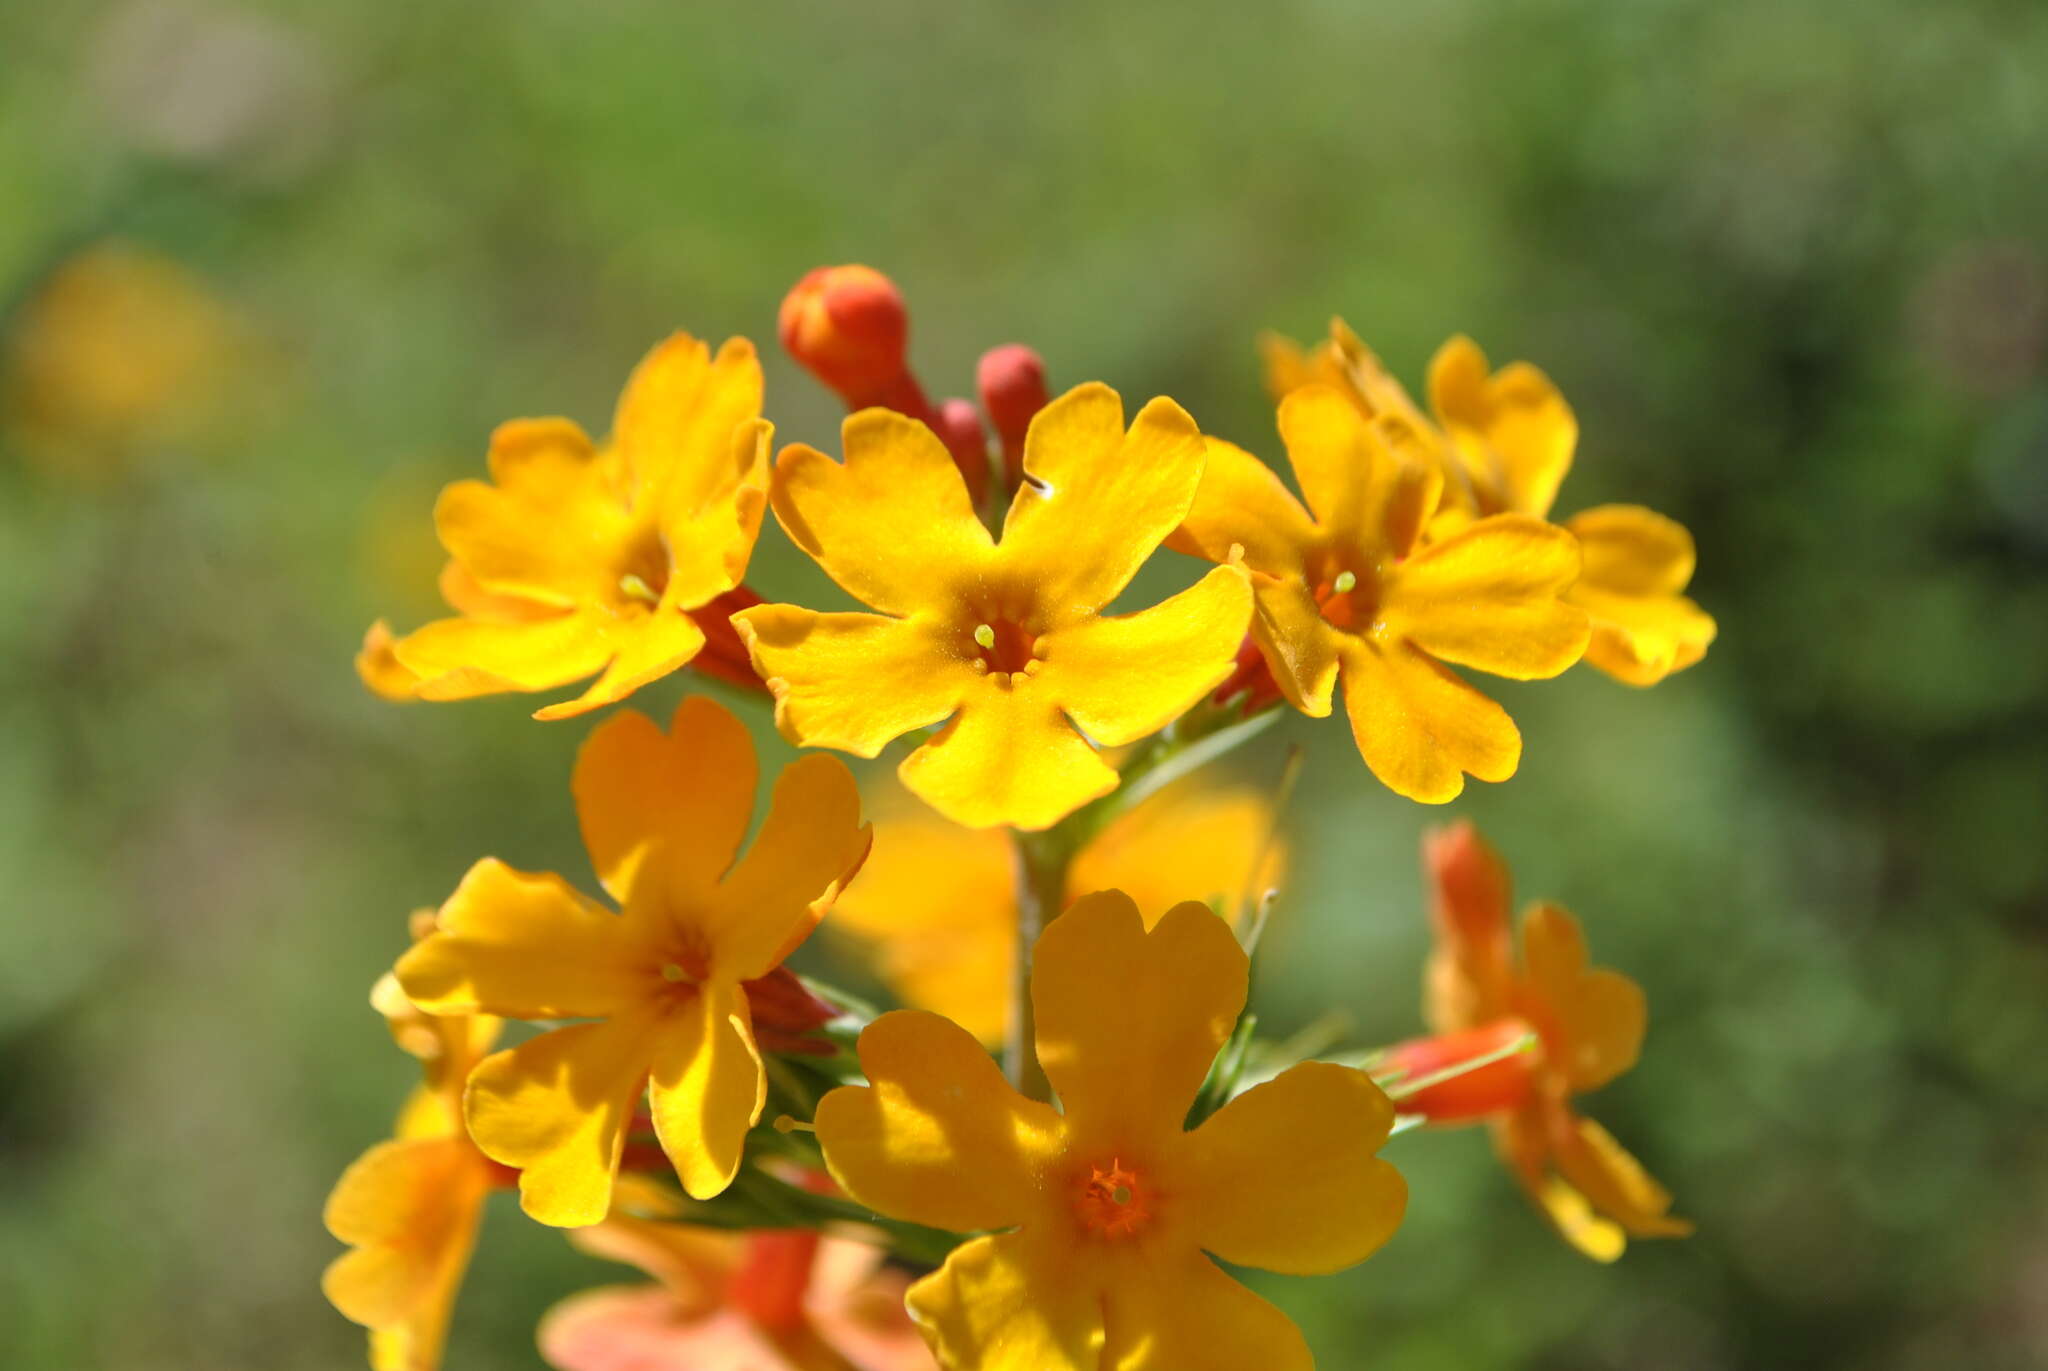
column 575, row 559
column 786, row 1300
column 938, row 902
column 1006, row 640
column 1504, row 441
column 1108, row 1209
column 665, row 988
column 1353, row 587
column 1589, row 1022
column 409, row 1208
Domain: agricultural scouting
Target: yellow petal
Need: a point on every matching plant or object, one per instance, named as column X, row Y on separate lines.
column 939, row 1138
column 893, row 525
column 1097, row 500
column 1592, row 1162
column 1181, row 1313
column 1600, row 1014
column 1488, row 597
column 675, row 422
column 852, row 681
column 509, row 534
column 709, row 545
column 1523, row 427
column 707, row 1087
column 523, row 945
column 557, row 1107
column 1283, row 364
column 410, row 1210
column 809, row 847
column 1418, row 726
column 1572, row 1215
column 1128, row 1021
column 1120, row 679
column 1188, row 840
column 1011, row 1303
column 1299, row 645
column 378, row 665
column 458, row 659
column 1242, row 502
column 649, row 645
column 687, row 794
column 1629, row 550
column 1636, row 563
column 1008, row 757
column 1284, row 1177
column 1363, row 490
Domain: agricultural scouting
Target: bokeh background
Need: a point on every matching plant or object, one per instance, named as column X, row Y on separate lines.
column 271, row 271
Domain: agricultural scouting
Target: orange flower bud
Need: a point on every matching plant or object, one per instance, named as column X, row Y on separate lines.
column 849, row 328
column 1495, row 1088
column 959, row 428
column 1011, row 379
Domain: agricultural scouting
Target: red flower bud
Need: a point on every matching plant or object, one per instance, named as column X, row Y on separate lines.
column 849, row 328
column 959, row 428
column 1011, row 379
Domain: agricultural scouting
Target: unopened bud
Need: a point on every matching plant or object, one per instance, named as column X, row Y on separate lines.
column 1011, row 379
column 849, row 328
column 959, row 428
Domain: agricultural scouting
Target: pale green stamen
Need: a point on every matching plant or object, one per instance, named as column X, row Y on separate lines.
column 632, row 585
column 1347, row 581
column 985, row 635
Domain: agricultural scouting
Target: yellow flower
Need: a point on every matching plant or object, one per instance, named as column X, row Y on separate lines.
column 1355, row 588
column 1589, row 1022
column 575, row 559
column 1108, row 1207
column 409, row 1207
column 1504, row 441
column 1006, row 639
column 938, row 902
column 661, row 986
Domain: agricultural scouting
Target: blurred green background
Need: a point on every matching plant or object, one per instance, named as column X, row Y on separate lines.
column 1788, row 259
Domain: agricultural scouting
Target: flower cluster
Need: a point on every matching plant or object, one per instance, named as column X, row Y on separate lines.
column 1039, row 1164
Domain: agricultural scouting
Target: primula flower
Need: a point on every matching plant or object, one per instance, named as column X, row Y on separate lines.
column 938, row 902
column 409, row 1208
column 1004, row 639
column 576, row 559
column 1352, row 587
column 664, row 984
column 783, row 1300
column 1589, row 1023
column 1504, row 441
column 1108, row 1205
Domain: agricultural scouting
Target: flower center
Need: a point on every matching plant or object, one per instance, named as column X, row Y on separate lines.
column 1003, row 648
column 1348, row 601
column 643, row 569
column 1112, row 1201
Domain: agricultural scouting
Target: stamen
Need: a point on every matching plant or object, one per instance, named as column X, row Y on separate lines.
column 1346, row 582
column 633, row 586
column 785, row 1124
column 985, row 635
column 673, row 973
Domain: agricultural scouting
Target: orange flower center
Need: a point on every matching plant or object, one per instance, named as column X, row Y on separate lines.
column 643, row 569
column 1112, row 1201
column 1002, row 647
column 1348, row 600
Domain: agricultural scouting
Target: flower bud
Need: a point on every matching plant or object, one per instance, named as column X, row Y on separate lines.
column 959, row 428
column 849, row 328
column 1011, row 379
column 1497, row 1087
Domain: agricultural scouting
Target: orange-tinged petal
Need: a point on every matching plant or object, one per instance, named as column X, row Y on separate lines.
column 1600, row 1015
column 1123, row 678
column 676, row 417
column 1096, row 499
column 648, row 646
column 1471, row 969
column 1488, row 597
column 378, row 665
column 1363, row 490
column 1189, row 840
column 1008, row 757
column 641, row 1328
column 469, row 598
column 939, row 1138
column 1592, row 1162
column 458, row 659
column 557, row 1107
column 1629, row 550
column 687, row 794
column 1522, row 430
column 893, row 524
column 1576, row 1221
column 509, row 535
column 707, row 1087
column 1298, row 644
column 853, row 681
column 1242, row 503
column 1636, row 563
column 523, row 945
column 1419, row 726
column 809, row 847
column 1010, row 1303
column 1129, row 1021
column 1283, row 364
column 708, row 546
column 1181, row 1313
column 1284, row 1177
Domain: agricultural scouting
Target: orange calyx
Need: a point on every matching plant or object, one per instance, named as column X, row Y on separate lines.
column 1112, row 1201
column 1498, row 1087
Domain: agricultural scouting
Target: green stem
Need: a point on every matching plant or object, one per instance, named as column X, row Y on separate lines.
column 1041, row 891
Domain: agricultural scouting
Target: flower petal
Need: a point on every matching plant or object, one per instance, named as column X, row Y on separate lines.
column 939, row 1138
column 643, row 1328
column 1636, row 563
column 1182, row 1313
column 707, row 1087
column 1008, row 757
column 410, row 1210
column 893, row 524
column 1364, row 491
column 1096, row 500
column 557, row 1107
column 458, row 659
column 708, row 546
column 523, row 945
column 1129, row 1021
column 852, row 681
column 1419, row 726
column 508, row 535
column 1242, row 502
column 676, row 418
column 649, row 645
column 1299, row 645
column 809, row 847
column 1601, row 1014
column 378, row 665
column 1471, row 968
column 1010, row 1303
column 687, row 794
column 1488, row 597
column 1525, row 430
column 1286, row 1176
column 1188, row 840
column 1592, row 1162
column 1120, row 679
